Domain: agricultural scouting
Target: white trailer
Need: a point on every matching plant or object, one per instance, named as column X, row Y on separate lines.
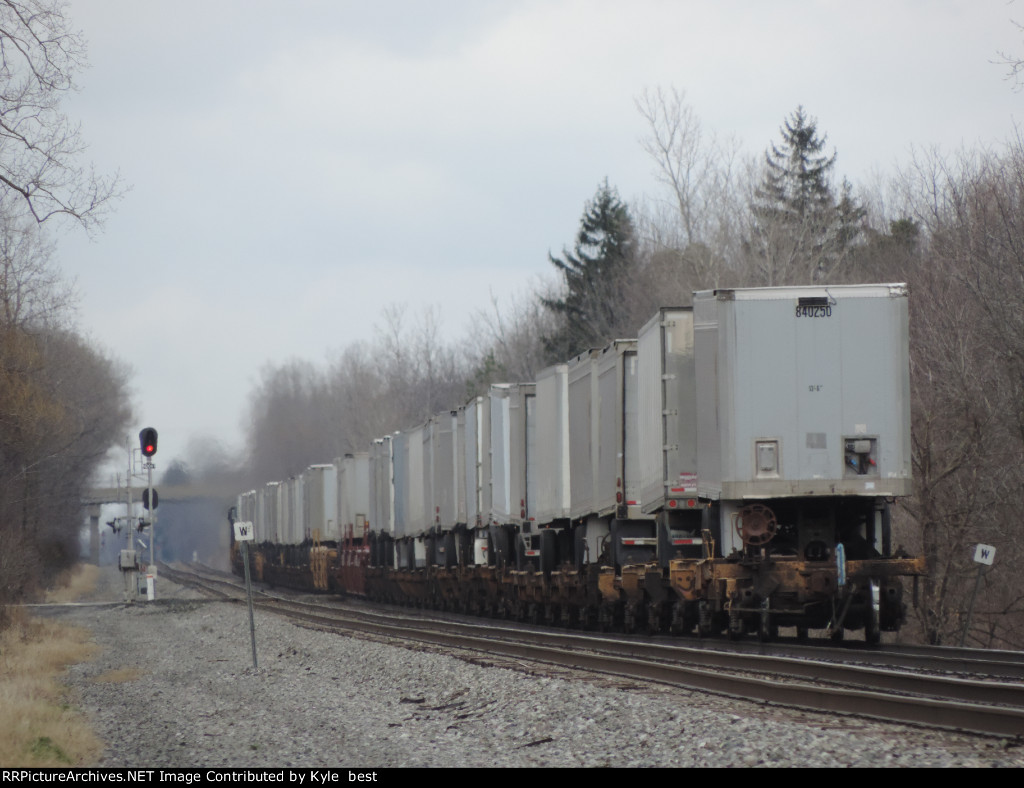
column 550, row 496
column 320, row 503
column 353, row 494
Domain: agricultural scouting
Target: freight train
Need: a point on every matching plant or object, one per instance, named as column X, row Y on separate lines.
column 730, row 470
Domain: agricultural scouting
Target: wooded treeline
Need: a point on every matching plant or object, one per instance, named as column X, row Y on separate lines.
column 951, row 225
column 63, row 402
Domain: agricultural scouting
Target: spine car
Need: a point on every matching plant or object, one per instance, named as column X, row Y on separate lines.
column 729, row 470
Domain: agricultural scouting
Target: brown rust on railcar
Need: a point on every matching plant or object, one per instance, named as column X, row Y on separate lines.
column 631, row 582
column 445, row 584
column 567, row 588
column 886, row 567
column 410, row 585
column 689, row 577
column 318, row 561
column 606, row 584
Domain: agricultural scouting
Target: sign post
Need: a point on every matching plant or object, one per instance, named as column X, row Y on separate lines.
column 984, row 555
column 244, row 534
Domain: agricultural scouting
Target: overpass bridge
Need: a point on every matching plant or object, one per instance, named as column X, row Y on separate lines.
column 98, row 496
column 189, row 516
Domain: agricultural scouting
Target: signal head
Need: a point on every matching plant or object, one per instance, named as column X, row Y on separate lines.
column 147, row 439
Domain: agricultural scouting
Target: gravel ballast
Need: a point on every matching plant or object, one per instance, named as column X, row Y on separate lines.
column 174, row 686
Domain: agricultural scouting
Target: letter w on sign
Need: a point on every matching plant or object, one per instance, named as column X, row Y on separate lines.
column 243, row 532
column 984, row 554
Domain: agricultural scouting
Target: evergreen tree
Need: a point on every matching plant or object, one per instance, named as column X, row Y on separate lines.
column 594, row 274
column 796, row 183
column 801, row 232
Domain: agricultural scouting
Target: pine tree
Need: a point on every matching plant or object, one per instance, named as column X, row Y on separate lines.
column 593, row 272
column 796, row 183
column 801, row 233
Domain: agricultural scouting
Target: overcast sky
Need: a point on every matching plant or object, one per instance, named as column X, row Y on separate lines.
column 297, row 167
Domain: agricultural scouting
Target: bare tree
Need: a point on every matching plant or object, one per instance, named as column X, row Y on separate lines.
column 507, row 342
column 63, row 405
column 1014, row 62
column 967, row 353
column 423, row 373
column 302, row 413
column 284, row 436
column 33, row 293
column 40, row 147
column 699, row 170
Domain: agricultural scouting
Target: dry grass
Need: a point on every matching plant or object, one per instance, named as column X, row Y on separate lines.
column 37, row 727
column 75, row 585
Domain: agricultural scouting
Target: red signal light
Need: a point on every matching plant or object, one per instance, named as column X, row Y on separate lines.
column 147, row 439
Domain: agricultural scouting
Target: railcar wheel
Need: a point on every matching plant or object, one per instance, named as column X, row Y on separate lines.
column 705, row 619
column 767, row 629
column 655, row 616
column 872, row 625
column 547, row 551
column 678, row 623
column 768, row 633
column 633, row 617
column 736, row 626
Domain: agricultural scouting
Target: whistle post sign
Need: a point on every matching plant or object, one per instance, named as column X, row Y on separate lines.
column 244, row 533
column 984, row 554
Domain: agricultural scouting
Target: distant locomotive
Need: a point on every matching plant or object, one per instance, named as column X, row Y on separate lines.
column 731, row 469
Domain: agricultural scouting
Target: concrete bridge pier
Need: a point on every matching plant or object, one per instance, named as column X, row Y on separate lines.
column 93, row 511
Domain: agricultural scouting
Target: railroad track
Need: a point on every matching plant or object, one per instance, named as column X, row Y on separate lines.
column 914, row 685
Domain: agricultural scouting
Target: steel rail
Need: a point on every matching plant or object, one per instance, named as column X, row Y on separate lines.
column 950, row 659
column 959, row 703
column 977, row 718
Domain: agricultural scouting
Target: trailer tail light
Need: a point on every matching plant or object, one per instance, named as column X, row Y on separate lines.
column 860, row 457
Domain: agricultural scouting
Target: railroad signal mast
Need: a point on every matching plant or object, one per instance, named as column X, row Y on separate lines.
column 147, row 442
column 128, row 561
